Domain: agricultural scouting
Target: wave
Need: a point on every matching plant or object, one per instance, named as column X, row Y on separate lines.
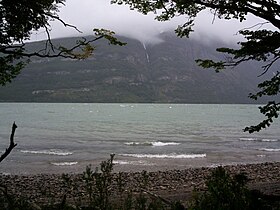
column 261, row 156
column 65, row 163
column 270, row 140
column 123, row 162
column 126, row 105
column 48, row 152
column 255, row 139
column 5, row 174
column 167, row 156
column 216, row 165
column 154, row 144
column 248, row 139
column 270, row 150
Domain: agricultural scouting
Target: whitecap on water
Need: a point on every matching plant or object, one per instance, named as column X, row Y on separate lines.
column 270, row 149
column 48, row 152
column 5, row 174
column 161, row 144
column 126, row 105
column 270, row 140
column 152, row 143
column 65, row 163
column 255, row 139
column 123, row 105
column 248, row 139
column 261, row 156
column 167, row 156
column 124, row 162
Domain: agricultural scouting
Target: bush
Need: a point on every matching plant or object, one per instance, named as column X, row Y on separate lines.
column 225, row 192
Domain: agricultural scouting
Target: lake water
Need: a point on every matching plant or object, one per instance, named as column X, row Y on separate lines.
column 56, row 138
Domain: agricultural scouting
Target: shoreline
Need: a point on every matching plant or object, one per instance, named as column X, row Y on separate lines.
column 129, row 165
column 170, row 184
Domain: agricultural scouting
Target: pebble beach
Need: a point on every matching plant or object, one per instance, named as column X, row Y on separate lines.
column 170, row 184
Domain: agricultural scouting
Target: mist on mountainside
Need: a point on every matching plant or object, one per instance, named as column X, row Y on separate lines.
column 162, row 72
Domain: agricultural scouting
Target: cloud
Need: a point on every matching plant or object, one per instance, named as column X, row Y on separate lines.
column 89, row 14
column 208, row 27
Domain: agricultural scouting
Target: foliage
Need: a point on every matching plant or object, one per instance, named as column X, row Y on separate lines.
column 225, row 192
column 98, row 184
column 19, row 18
column 271, row 109
column 260, row 44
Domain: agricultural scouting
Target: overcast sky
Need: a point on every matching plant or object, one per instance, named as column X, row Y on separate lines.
column 89, row 14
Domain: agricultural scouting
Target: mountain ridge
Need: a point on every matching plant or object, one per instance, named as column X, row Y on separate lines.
column 140, row 73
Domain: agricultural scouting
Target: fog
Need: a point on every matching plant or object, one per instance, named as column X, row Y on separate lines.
column 89, row 14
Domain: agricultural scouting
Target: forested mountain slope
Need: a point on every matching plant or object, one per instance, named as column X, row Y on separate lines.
column 137, row 72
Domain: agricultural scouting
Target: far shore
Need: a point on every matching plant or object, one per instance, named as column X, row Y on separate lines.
column 170, row 184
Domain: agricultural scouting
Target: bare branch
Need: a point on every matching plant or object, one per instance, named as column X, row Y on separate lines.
column 157, row 196
column 12, row 143
column 253, row 26
column 214, row 16
column 267, row 66
column 49, row 39
column 64, row 23
column 163, row 6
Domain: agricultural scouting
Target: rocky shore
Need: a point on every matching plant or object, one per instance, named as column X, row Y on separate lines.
column 171, row 184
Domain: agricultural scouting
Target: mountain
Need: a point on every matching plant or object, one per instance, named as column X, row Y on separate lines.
column 165, row 73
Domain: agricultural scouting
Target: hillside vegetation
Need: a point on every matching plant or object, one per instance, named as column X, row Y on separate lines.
column 165, row 73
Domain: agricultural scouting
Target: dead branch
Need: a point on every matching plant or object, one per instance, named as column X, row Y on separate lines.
column 12, row 143
column 157, row 196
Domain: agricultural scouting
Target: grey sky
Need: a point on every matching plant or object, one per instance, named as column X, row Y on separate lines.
column 89, row 14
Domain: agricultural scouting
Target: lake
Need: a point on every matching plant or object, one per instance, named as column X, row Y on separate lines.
column 57, row 137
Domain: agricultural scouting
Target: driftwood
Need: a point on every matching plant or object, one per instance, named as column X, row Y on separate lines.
column 12, row 143
column 157, row 196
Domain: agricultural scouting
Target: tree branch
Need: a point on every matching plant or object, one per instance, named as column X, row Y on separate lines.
column 248, row 7
column 61, row 53
column 12, row 143
column 267, row 66
column 61, row 21
column 253, row 26
column 157, row 196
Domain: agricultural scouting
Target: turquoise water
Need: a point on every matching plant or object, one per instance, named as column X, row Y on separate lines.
column 66, row 137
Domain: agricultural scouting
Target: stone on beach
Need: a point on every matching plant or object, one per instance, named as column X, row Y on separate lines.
column 170, row 184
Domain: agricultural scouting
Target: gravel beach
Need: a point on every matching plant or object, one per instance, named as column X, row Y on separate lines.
column 170, row 184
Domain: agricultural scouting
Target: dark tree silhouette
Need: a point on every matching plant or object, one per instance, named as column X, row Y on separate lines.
column 19, row 18
column 12, row 143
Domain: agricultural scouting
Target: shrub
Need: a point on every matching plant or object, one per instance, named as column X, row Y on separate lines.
column 225, row 192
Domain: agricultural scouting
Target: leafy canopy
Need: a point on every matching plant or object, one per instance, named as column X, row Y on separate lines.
column 260, row 44
column 19, row 18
